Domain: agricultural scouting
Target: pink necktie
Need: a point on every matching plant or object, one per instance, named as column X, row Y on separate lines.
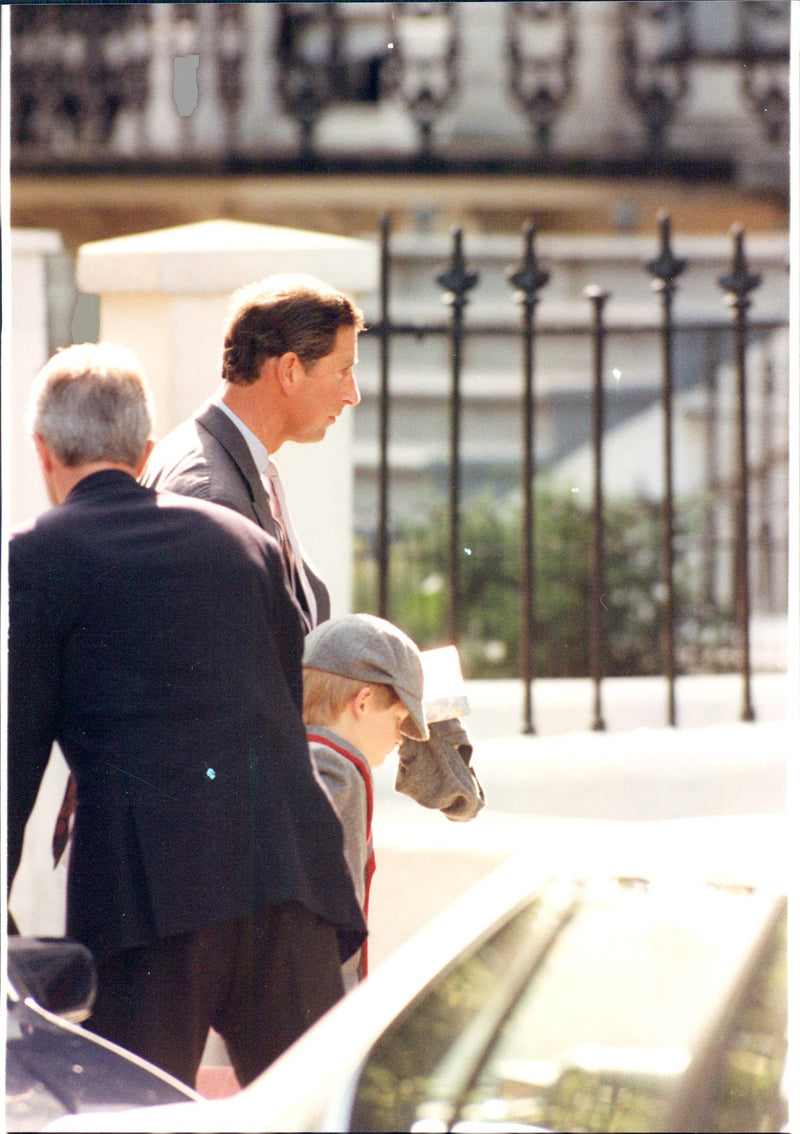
column 290, row 545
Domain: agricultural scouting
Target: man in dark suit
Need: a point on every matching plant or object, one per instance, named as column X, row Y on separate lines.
column 153, row 638
column 290, row 348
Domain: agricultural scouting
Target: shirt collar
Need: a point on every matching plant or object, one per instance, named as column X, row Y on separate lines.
column 258, row 451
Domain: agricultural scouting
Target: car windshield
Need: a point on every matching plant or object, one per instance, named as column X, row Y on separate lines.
column 583, row 1012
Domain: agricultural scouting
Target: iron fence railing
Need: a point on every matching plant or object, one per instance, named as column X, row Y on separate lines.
column 457, row 282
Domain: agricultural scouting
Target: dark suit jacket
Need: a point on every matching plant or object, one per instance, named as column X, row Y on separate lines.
column 208, row 457
column 151, row 636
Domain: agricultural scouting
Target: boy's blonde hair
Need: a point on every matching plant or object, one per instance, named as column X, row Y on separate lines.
column 325, row 695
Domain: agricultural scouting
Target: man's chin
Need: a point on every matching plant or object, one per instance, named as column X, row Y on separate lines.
column 318, row 433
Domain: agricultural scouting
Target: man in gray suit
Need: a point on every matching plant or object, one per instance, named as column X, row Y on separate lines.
column 290, row 348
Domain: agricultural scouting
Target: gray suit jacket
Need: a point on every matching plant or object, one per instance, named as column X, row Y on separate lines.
column 207, row 457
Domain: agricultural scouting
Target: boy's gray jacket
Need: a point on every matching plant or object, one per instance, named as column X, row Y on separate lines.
column 347, row 778
column 437, row 773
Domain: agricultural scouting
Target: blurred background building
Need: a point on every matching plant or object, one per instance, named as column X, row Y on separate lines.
column 587, row 119
column 600, row 108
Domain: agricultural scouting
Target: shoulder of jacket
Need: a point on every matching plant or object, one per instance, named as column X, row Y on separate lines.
column 335, row 764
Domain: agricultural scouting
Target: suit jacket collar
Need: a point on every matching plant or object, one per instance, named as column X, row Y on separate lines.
column 220, row 426
column 104, row 481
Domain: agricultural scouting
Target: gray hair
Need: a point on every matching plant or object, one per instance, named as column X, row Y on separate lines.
column 91, row 402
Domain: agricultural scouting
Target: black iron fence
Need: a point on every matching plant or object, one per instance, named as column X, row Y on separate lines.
column 527, row 281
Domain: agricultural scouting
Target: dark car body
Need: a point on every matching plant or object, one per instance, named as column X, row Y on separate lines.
column 54, row 1067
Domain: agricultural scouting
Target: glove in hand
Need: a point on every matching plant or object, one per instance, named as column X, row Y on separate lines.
column 437, row 772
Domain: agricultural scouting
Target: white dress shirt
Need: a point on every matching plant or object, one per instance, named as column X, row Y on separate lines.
column 290, row 544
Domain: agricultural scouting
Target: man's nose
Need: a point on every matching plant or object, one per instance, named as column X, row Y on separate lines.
column 352, row 395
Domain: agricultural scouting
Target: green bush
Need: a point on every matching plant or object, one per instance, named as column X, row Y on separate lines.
column 490, row 574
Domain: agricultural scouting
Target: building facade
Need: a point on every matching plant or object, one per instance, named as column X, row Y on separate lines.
column 618, row 85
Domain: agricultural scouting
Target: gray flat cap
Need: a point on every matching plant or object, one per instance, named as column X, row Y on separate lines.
column 371, row 649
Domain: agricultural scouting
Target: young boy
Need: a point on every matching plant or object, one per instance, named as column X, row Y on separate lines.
column 362, row 692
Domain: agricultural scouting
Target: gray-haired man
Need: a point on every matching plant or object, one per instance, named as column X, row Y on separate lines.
column 153, row 638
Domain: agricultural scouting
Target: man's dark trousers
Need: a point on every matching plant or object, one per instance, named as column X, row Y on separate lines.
column 259, row 982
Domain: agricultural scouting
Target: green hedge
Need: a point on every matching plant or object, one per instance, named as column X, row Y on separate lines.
column 490, row 589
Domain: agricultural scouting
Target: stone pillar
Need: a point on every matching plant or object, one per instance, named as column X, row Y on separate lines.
column 598, row 97
column 484, row 108
column 162, row 122
column 30, row 349
column 264, row 128
column 208, row 120
column 38, row 899
column 165, row 295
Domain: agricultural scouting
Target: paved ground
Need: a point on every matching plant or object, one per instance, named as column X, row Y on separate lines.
column 560, row 785
column 567, row 706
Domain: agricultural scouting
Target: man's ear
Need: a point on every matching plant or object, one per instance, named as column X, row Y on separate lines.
column 44, row 454
column 147, row 451
column 51, row 469
column 288, row 370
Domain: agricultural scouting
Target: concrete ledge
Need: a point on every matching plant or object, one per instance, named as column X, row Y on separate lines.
column 217, row 256
column 34, row 242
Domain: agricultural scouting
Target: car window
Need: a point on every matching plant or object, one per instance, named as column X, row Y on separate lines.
column 616, row 996
column 751, row 1088
column 406, row 1066
column 612, row 1017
